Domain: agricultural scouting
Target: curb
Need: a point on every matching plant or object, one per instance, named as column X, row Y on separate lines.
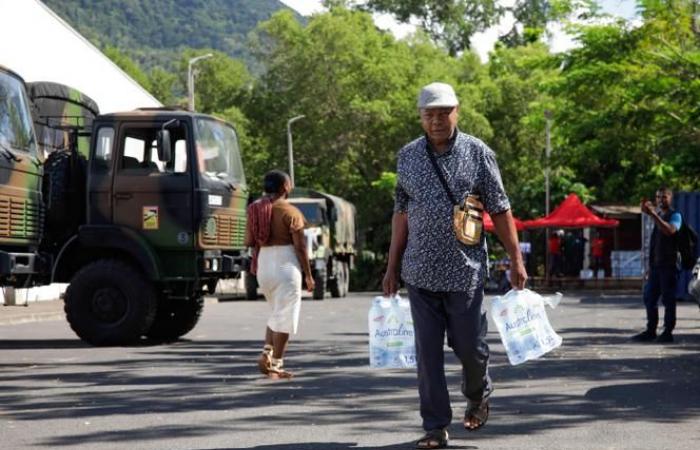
column 32, row 317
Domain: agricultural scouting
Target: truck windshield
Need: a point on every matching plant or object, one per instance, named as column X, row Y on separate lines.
column 16, row 130
column 311, row 211
column 218, row 154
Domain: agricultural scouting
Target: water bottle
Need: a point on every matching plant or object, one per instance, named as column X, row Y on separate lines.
column 377, row 354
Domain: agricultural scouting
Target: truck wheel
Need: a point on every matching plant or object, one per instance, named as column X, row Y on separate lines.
column 319, row 285
column 175, row 318
column 251, row 286
column 336, row 284
column 108, row 302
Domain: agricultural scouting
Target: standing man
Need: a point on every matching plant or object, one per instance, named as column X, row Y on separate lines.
column 663, row 267
column 445, row 277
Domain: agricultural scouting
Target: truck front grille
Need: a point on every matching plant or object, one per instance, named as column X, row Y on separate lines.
column 20, row 218
column 229, row 231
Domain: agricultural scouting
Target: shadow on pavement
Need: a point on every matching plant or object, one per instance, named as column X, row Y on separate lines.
column 337, row 446
column 33, row 344
column 626, row 382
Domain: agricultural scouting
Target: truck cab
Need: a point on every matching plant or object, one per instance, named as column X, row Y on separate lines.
column 164, row 209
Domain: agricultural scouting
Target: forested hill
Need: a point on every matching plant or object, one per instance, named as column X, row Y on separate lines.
column 153, row 31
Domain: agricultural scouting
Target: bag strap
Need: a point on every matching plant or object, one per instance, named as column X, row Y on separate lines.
column 440, row 175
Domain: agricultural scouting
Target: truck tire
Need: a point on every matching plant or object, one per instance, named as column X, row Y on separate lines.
column 251, row 286
column 109, row 302
column 335, row 285
column 338, row 285
column 64, row 209
column 319, row 285
column 175, row 318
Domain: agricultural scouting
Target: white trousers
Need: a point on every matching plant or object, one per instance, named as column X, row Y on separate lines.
column 279, row 278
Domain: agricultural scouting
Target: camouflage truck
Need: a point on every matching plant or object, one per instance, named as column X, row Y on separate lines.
column 21, row 211
column 330, row 239
column 140, row 223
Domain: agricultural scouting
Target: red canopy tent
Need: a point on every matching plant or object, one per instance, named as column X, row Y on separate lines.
column 488, row 223
column 571, row 213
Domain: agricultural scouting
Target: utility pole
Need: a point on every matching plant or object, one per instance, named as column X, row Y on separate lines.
column 290, row 151
column 190, row 79
column 548, row 151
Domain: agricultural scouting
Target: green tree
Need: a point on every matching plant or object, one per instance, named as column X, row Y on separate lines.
column 450, row 23
column 162, row 85
column 628, row 120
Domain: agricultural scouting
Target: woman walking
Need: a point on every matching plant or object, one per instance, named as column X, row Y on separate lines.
column 275, row 230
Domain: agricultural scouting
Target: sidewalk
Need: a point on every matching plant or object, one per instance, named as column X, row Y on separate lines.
column 44, row 310
column 34, row 312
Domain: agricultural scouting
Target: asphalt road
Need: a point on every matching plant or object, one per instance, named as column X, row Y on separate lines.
column 598, row 391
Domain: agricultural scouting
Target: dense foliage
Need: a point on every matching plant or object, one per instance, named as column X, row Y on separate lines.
column 623, row 105
column 154, row 32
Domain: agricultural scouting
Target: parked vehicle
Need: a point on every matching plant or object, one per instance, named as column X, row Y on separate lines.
column 694, row 283
column 140, row 222
column 330, row 238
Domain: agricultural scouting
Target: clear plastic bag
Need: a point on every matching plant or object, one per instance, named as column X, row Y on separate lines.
column 391, row 339
column 523, row 324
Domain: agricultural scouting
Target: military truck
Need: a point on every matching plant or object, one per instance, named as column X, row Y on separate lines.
column 330, row 239
column 139, row 224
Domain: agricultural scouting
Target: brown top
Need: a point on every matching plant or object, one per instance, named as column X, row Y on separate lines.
column 286, row 219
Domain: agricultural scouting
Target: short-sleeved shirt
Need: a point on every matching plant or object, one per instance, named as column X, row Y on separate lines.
column 286, row 219
column 434, row 259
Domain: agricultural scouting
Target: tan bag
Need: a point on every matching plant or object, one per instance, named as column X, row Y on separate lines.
column 468, row 220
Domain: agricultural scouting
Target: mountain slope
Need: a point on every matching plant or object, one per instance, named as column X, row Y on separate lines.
column 153, row 32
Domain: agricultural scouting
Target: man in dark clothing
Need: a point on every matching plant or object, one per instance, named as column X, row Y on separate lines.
column 662, row 275
column 444, row 276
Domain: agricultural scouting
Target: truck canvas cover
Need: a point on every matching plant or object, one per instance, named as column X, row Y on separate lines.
column 342, row 217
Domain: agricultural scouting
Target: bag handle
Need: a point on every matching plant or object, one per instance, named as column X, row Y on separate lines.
column 440, row 175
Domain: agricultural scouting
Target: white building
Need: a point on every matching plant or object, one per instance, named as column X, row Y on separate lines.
column 40, row 46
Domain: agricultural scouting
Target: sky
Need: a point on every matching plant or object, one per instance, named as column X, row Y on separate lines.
column 482, row 42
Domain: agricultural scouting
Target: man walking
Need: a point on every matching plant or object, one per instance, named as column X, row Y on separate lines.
column 663, row 267
column 444, row 276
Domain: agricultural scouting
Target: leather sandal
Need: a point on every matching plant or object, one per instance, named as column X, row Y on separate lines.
column 434, row 439
column 476, row 412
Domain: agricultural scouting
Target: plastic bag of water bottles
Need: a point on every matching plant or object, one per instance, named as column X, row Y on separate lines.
column 523, row 324
column 391, row 341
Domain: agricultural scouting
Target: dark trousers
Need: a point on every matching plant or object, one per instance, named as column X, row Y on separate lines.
column 661, row 283
column 459, row 316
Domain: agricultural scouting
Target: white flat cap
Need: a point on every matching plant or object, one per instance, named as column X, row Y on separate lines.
column 437, row 95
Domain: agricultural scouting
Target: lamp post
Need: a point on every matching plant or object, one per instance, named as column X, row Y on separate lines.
column 290, row 151
column 548, row 151
column 190, row 79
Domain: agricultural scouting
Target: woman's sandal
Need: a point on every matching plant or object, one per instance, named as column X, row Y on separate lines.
column 265, row 360
column 434, row 439
column 277, row 371
column 476, row 415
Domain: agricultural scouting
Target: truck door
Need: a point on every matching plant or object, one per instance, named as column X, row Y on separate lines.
column 149, row 196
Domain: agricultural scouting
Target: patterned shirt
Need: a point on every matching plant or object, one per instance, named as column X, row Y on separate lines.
column 434, row 259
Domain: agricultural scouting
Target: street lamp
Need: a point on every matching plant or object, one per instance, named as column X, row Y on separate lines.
column 290, row 152
column 548, row 151
column 190, row 79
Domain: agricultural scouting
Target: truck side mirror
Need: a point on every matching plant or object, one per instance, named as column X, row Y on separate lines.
column 164, row 148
